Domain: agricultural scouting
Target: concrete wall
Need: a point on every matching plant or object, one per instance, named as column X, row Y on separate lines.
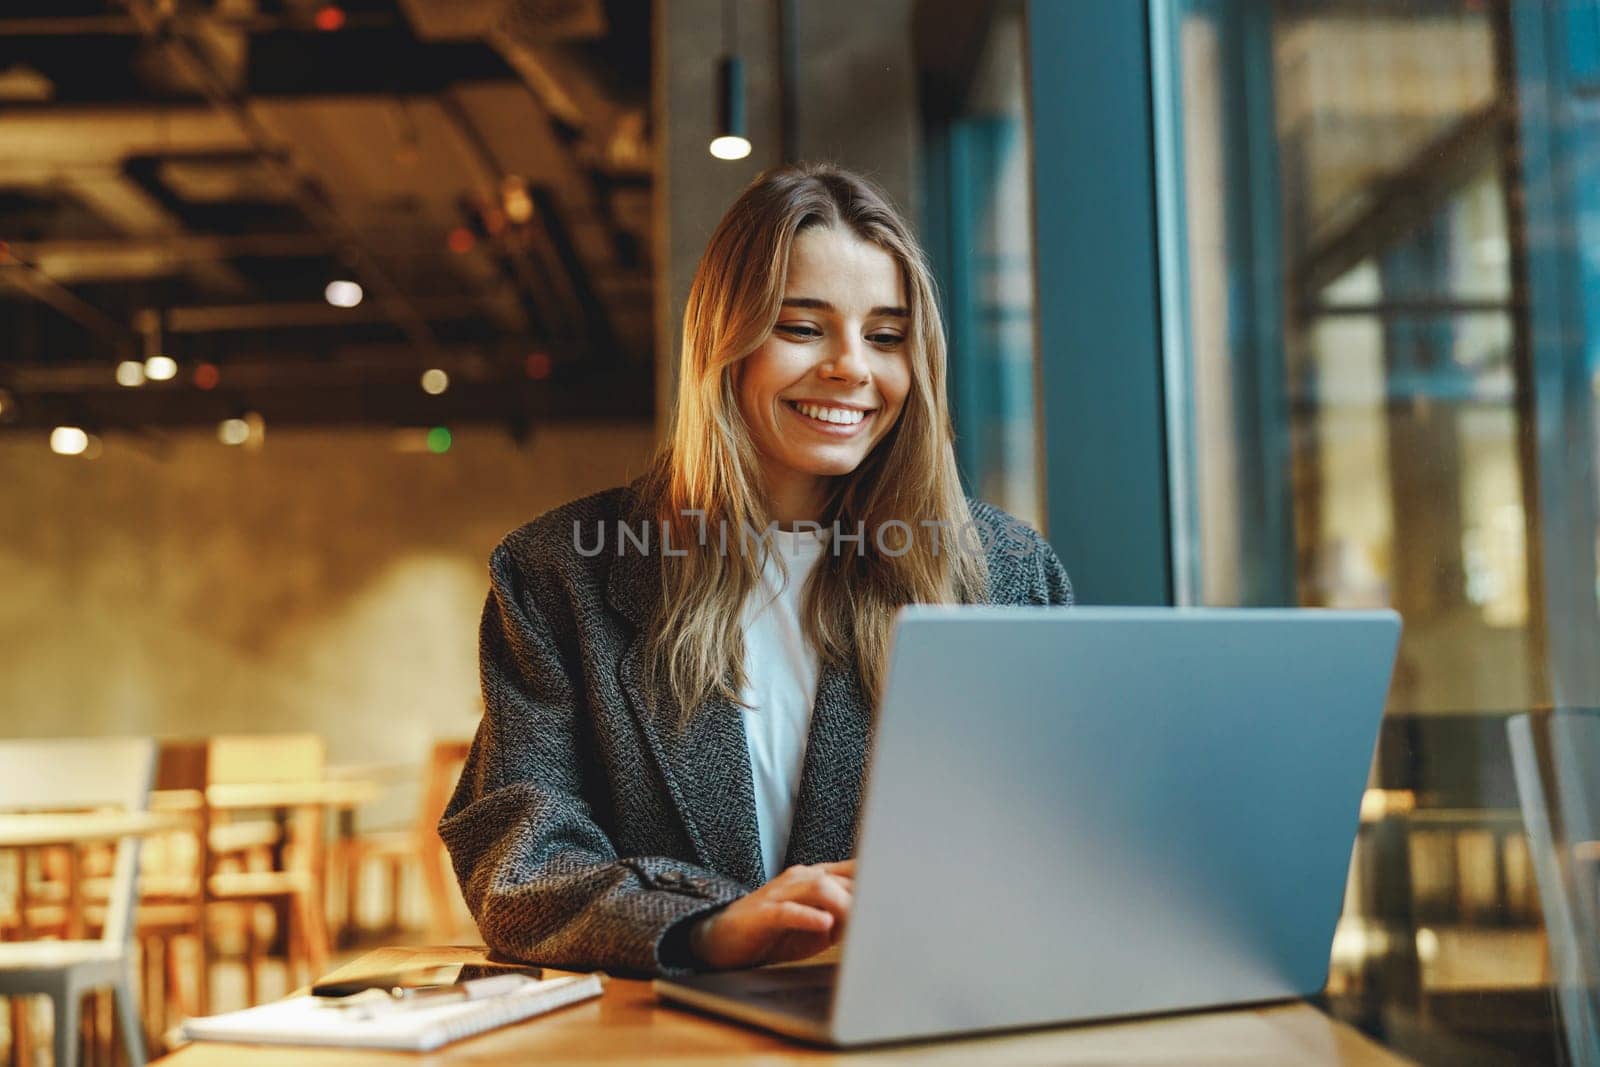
column 857, row 100
column 855, row 105
column 326, row 583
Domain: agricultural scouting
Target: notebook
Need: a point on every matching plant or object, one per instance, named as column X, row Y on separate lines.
column 308, row 1020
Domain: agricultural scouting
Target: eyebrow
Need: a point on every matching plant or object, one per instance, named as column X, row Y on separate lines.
column 823, row 305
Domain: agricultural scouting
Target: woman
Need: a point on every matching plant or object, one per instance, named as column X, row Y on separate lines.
column 679, row 674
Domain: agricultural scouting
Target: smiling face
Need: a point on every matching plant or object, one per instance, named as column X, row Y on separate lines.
column 830, row 380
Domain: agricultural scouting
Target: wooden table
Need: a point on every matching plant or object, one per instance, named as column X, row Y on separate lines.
column 335, row 793
column 69, row 830
column 25, row 831
column 628, row 1025
column 45, row 829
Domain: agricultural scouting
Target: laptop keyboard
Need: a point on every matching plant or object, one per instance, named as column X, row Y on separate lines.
column 799, row 992
column 797, row 1000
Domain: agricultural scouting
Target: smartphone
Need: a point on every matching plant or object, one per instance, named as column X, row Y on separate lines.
column 415, row 979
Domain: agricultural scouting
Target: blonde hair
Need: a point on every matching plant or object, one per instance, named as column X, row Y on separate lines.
column 710, row 465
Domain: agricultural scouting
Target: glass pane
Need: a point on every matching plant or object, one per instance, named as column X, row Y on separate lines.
column 990, row 280
column 1361, row 241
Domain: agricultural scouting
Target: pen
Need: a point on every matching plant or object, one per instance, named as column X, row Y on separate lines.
column 400, row 999
column 471, row 989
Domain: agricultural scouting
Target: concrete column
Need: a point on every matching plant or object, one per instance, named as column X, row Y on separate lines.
column 857, row 99
column 692, row 188
column 856, row 106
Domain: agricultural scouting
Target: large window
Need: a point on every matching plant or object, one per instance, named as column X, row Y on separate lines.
column 1356, row 423
column 980, row 222
column 1381, row 341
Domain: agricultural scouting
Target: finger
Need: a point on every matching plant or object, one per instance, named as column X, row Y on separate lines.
column 802, row 918
column 843, row 868
column 827, row 892
column 797, row 878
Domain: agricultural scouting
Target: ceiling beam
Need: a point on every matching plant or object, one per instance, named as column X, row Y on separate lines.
column 378, row 364
column 110, row 259
column 219, row 318
column 279, row 161
column 532, row 280
column 331, row 402
column 18, row 274
column 129, row 25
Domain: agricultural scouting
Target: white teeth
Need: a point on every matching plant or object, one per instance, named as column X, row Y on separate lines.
column 840, row 416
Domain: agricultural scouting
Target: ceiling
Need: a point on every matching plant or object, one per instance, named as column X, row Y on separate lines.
column 185, row 178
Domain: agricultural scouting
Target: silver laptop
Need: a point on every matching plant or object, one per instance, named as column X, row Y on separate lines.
column 1087, row 813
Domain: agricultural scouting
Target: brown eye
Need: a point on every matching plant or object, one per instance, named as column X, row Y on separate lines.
column 800, row 331
column 887, row 340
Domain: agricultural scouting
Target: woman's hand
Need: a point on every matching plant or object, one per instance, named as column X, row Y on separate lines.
column 797, row 914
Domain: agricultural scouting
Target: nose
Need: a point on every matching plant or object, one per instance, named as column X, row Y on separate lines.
column 847, row 362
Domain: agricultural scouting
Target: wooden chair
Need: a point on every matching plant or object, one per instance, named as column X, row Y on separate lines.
column 69, row 775
column 245, row 865
column 418, row 844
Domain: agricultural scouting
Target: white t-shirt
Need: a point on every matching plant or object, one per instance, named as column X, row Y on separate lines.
column 781, row 670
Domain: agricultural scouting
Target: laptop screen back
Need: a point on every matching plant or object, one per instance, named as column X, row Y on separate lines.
column 1085, row 813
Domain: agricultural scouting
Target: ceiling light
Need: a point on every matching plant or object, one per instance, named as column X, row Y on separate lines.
column 731, row 141
column 519, row 208
column 730, row 147
column 435, row 381
column 233, row 431
column 68, row 441
column 515, row 200
column 343, row 293
column 247, row 428
column 160, row 368
column 130, row 373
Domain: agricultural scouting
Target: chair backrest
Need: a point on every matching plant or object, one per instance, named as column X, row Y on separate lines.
column 63, row 774
column 196, row 764
column 234, row 759
column 445, row 761
column 1556, row 759
column 73, row 774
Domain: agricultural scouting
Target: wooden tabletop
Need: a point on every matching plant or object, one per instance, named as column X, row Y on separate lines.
column 629, row 1025
column 241, row 796
column 332, row 793
column 42, row 829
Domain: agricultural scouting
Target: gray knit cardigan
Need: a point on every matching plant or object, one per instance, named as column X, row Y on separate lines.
column 586, row 830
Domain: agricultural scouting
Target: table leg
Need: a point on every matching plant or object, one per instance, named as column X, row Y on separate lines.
column 74, row 893
column 24, row 900
column 346, row 858
column 316, row 927
column 280, row 909
column 280, row 818
column 21, row 1033
column 21, row 1046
